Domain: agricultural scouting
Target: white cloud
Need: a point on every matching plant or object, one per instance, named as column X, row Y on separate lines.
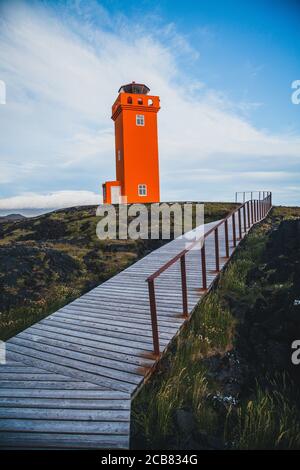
column 50, row 201
column 62, row 73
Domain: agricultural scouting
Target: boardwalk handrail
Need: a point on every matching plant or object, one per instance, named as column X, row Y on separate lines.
column 248, row 214
column 261, row 195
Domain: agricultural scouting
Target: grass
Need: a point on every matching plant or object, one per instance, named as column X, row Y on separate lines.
column 182, row 383
column 217, row 324
column 19, row 318
column 269, row 420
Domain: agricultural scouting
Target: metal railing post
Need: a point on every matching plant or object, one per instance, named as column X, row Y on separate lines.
column 266, row 206
column 226, row 238
column 184, row 286
column 240, row 224
column 217, row 255
column 248, row 214
column 244, row 217
column 233, row 230
column 153, row 317
column 203, row 266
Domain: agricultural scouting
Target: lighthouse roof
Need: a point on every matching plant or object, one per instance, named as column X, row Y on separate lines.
column 137, row 88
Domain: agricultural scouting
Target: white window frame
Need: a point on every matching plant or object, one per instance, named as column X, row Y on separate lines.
column 140, row 119
column 142, row 190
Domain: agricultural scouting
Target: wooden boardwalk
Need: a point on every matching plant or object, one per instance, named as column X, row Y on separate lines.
column 70, row 378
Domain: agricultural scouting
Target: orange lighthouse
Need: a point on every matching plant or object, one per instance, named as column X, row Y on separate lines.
column 136, row 147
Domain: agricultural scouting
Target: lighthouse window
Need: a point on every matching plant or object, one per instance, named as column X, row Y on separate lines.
column 140, row 120
column 142, row 188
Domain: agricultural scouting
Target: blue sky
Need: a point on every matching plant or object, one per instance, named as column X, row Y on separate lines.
column 223, row 71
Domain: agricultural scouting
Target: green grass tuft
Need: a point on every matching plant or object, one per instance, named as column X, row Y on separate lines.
column 270, row 420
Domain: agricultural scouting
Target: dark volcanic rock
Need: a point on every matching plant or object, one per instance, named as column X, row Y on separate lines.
column 46, row 229
column 230, row 371
column 26, row 269
column 270, row 327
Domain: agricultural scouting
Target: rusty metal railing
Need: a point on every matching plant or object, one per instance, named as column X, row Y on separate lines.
column 244, row 194
column 242, row 218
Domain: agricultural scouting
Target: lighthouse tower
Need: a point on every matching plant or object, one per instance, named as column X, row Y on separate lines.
column 136, row 147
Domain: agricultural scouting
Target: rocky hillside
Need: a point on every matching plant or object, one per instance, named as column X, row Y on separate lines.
column 47, row 261
column 11, row 217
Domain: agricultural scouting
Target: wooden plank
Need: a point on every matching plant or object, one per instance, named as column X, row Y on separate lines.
column 136, row 338
column 128, row 306
column 112, row 360
column 72, row 369
column 7, row 369
column 87, row 338
column 73, row 403
column 51, row 385
column 24, row 376
column 65, row 441
column 86, row 332
column 84, row 345
column 144, row 329
column 65, row 414
column 84, row 393
column 163, row 292
column 64, row 426
column 132, row 315
column 73, row 359
column 169, row 302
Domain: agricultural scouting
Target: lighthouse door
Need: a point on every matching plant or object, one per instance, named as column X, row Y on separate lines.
column 115, row 194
